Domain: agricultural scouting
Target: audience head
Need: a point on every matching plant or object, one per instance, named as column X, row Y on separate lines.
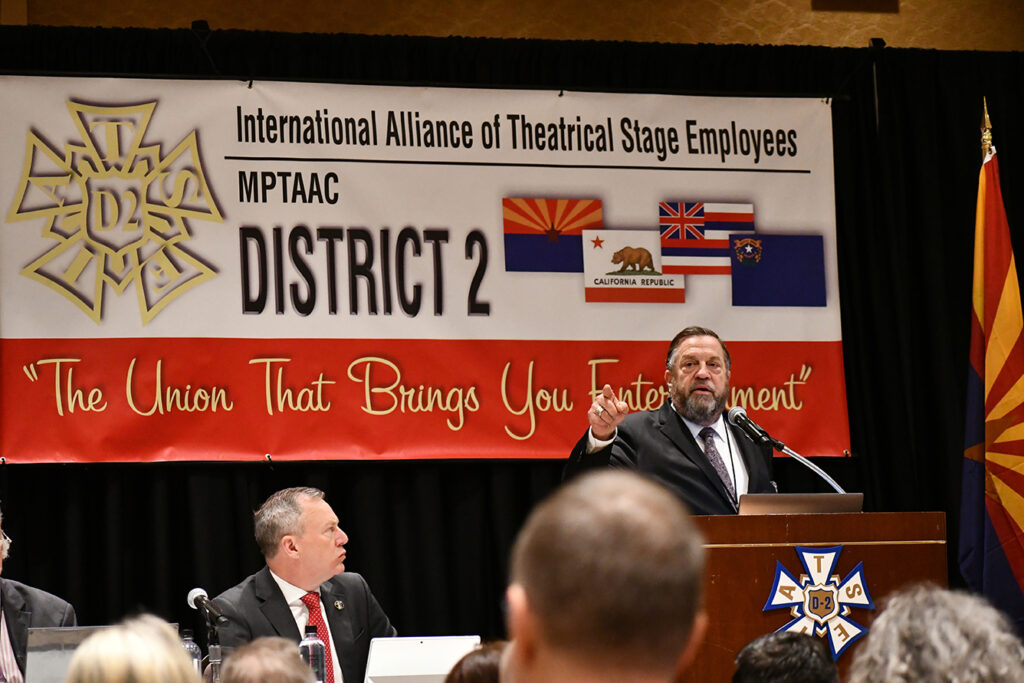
column 298, row 534
column 266, row 660
column 926, row 633
column 480, row 665
column 606, row 578
column 143, row 649
column 785, row 657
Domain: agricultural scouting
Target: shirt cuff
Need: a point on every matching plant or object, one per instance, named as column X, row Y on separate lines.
column 595, row 444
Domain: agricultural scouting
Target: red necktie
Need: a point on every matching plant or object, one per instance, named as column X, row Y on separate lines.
column 316, row 618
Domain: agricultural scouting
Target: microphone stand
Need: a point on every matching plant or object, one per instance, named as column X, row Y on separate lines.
column 738, row 418
column 215, row 655
column 783, row 448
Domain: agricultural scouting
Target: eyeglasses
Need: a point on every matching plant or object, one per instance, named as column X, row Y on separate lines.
column 5, row 541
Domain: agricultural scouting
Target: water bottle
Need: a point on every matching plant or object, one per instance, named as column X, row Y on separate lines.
column 193, row 650
column 313, row 653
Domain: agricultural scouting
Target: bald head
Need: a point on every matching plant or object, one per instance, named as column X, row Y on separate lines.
column 611, row 567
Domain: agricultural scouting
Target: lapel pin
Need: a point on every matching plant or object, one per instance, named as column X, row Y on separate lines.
column 339, row 605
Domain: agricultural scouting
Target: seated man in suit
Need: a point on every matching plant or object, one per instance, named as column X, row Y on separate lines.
column 24, row 607
column 298, row 534
column 686, row 444
column 606, row 585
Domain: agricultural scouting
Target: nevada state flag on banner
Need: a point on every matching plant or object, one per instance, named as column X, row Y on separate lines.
column 777, row 270
column 624, row 266
column 544, row 235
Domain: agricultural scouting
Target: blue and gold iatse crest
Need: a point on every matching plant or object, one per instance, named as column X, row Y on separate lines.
column 818, row 601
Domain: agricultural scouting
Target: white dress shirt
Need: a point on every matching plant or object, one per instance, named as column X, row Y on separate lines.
column 293, row 596
column 8, row 662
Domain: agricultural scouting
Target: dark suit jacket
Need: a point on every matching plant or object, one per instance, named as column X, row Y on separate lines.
column 256, row 607
column 24, row 607
column 658, row 444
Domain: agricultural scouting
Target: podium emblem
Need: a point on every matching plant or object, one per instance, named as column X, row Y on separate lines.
column 818, row 601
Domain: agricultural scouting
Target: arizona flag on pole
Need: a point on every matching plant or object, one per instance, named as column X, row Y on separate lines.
column 992, row 506
column 546, row 235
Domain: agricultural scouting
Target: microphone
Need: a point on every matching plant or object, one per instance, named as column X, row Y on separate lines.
column 738, row 418
column 199, row 600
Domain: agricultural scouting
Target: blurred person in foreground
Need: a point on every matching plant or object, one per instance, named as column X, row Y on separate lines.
column 143, row 649
column 24, row 607
column 305, row 582
column 606, row 582
column 267, row 660
column 482, row 664
column 785, row 657
column 927, row 633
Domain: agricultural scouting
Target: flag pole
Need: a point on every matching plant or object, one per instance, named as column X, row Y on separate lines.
column 986, row 130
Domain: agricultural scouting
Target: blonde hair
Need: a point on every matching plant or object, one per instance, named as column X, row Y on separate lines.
column 143, row 649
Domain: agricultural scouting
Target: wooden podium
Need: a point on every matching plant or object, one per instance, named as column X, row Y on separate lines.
column 896, row 549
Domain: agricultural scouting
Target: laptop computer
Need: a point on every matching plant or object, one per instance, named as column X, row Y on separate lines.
column 49, row 652
column 797, row 503
column 426, row 659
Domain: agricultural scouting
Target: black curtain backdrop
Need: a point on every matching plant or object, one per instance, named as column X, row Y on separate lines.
column 432, row 537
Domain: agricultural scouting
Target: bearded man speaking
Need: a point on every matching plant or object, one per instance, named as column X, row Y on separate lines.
column 686, row 445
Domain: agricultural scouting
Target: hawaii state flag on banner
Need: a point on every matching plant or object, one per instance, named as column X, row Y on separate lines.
column 695, row 235
column 544, row 235
column 992, row 505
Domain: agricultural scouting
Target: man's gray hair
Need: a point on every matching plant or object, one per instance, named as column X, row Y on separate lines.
column 280, row 515
column 694, row 331
column 267, row 660
column 612, row 566
column 927, row 633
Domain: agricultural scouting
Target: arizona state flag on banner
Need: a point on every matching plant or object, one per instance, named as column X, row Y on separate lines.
column 992, row 507
column 546, row 235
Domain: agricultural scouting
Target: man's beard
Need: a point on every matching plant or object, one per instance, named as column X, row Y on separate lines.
column 700, row 408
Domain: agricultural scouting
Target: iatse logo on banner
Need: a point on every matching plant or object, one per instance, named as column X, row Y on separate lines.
column 117, row 210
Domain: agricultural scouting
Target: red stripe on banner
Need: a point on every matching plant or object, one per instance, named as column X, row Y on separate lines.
column 700, row 244
column 95, row 400
column 635, row 295
column 722, row 217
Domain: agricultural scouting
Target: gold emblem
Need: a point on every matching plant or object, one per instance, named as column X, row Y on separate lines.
column 117, row 209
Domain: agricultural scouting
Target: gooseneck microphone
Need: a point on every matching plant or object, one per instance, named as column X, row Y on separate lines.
column 199, row 600
column 738, row 418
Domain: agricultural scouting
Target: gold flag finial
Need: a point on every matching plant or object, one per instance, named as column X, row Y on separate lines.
column 986, row 130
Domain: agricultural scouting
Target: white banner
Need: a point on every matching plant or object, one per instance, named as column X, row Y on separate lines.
column 206, row 269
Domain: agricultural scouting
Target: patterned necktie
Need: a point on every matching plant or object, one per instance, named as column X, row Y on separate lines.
column 715, row 458
column 316, row 617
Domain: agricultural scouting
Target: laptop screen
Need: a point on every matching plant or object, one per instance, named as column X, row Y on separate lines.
column 50, row 649
column 425, row 659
